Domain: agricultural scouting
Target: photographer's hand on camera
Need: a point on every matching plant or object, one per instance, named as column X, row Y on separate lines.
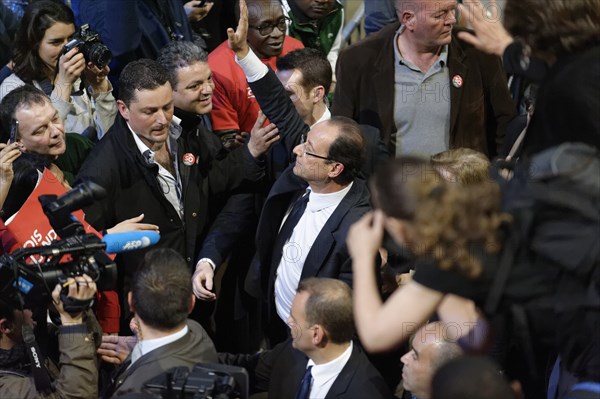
column 81, row 288
column 70, row 67
column 97, row 78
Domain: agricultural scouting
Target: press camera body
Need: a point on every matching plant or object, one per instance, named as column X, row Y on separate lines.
column 28, row 275
column 205, row 380
column 90, row 46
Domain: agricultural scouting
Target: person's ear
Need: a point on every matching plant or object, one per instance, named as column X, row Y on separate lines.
column 5, row 327
column 123, row 109
column 318, row 94
column 408, row 19
column 130, row 302
column 192, row 303
column 318, row 335
column 336, row 169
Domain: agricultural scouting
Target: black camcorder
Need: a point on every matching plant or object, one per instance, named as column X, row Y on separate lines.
column 90, row 46
column 204, row 381
column 28, row 275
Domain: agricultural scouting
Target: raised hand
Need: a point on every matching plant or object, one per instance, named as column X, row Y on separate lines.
column 8, row 154
column 262, row 138
column 70, row 67
column 490, row 35
column 365, row 236
column 238, row 39
column 97, row 77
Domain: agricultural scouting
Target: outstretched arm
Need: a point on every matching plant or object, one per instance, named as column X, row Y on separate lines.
column 267, row 89
column 383, row 326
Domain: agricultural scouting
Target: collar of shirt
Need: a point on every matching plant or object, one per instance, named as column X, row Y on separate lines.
column 148, row 345
column 318, row 202
column 325, row 117
column 442, row 59
column 328, row 372
column 174, row 134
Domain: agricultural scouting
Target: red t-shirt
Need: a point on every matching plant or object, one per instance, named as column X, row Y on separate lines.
column 234, row 105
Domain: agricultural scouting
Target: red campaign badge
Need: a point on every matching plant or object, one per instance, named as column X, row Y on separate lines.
column 189, row 159
column 457, row 81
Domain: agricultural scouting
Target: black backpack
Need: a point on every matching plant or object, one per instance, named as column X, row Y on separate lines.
column 554, row 200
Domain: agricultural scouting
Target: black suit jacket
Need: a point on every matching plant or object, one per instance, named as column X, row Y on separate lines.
column 132, row 187
column 479, row 110
column 328, row 257
column 280, row 370
column 240, row 209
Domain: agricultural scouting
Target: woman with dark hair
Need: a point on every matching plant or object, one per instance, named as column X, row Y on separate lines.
column 80, row 92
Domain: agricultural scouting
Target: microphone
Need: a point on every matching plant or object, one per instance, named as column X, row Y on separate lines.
column 117, row 243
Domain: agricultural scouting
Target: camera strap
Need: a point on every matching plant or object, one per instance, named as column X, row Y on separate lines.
column 39, row 371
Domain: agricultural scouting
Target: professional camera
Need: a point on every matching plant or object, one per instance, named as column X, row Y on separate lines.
column 28, row 275
column 90, row 46
column 216, row 381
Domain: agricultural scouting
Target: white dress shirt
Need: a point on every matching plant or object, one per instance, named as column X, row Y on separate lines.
column 324, row 375
column 148, row 345
column 318, row 210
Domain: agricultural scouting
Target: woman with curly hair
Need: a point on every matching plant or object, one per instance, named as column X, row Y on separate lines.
column 454, row 232
column 78, row 89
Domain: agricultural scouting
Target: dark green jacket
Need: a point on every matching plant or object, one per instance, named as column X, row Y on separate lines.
column 317, row 34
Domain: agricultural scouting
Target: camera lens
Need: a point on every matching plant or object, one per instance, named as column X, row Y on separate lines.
column 99, row 54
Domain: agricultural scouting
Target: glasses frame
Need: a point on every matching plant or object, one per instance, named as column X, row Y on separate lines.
column 267, row 28
column 305, row 153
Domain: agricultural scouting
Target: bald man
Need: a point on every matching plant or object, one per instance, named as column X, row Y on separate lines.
column 431, row 347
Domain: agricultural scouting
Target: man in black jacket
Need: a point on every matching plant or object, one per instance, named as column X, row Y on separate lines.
column 151, row 165
column 320, row 360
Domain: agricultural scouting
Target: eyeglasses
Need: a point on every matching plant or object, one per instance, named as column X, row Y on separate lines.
column 267, row 28
column 305, row 153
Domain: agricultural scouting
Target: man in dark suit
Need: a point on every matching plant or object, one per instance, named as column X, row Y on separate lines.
column 161, row 298
column 296, row 241
column 302, row 228
column 422, row 87
column 319, row 360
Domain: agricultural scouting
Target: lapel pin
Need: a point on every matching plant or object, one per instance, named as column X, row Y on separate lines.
column 457, row 81
column 189, row 159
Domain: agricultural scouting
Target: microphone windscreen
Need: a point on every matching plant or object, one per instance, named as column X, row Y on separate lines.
column 117, row 243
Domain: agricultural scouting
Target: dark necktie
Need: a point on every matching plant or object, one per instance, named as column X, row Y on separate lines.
column 288, row 227
column 304, row 389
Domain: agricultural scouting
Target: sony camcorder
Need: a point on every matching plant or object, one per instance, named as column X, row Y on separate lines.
column 28, row 275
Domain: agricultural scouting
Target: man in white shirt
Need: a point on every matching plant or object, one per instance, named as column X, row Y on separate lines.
column 319, row 360
column 328, row 161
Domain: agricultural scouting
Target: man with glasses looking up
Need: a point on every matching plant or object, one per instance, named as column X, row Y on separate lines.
column 234, row 107
column 302, row 228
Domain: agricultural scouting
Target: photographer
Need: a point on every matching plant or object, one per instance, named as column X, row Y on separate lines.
column 87, row 108
column 78, row 373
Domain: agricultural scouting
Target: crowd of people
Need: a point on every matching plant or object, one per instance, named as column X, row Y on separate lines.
column 415, row 215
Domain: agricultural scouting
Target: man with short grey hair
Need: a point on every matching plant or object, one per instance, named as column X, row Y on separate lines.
column 446, row 94
column 431, row 347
